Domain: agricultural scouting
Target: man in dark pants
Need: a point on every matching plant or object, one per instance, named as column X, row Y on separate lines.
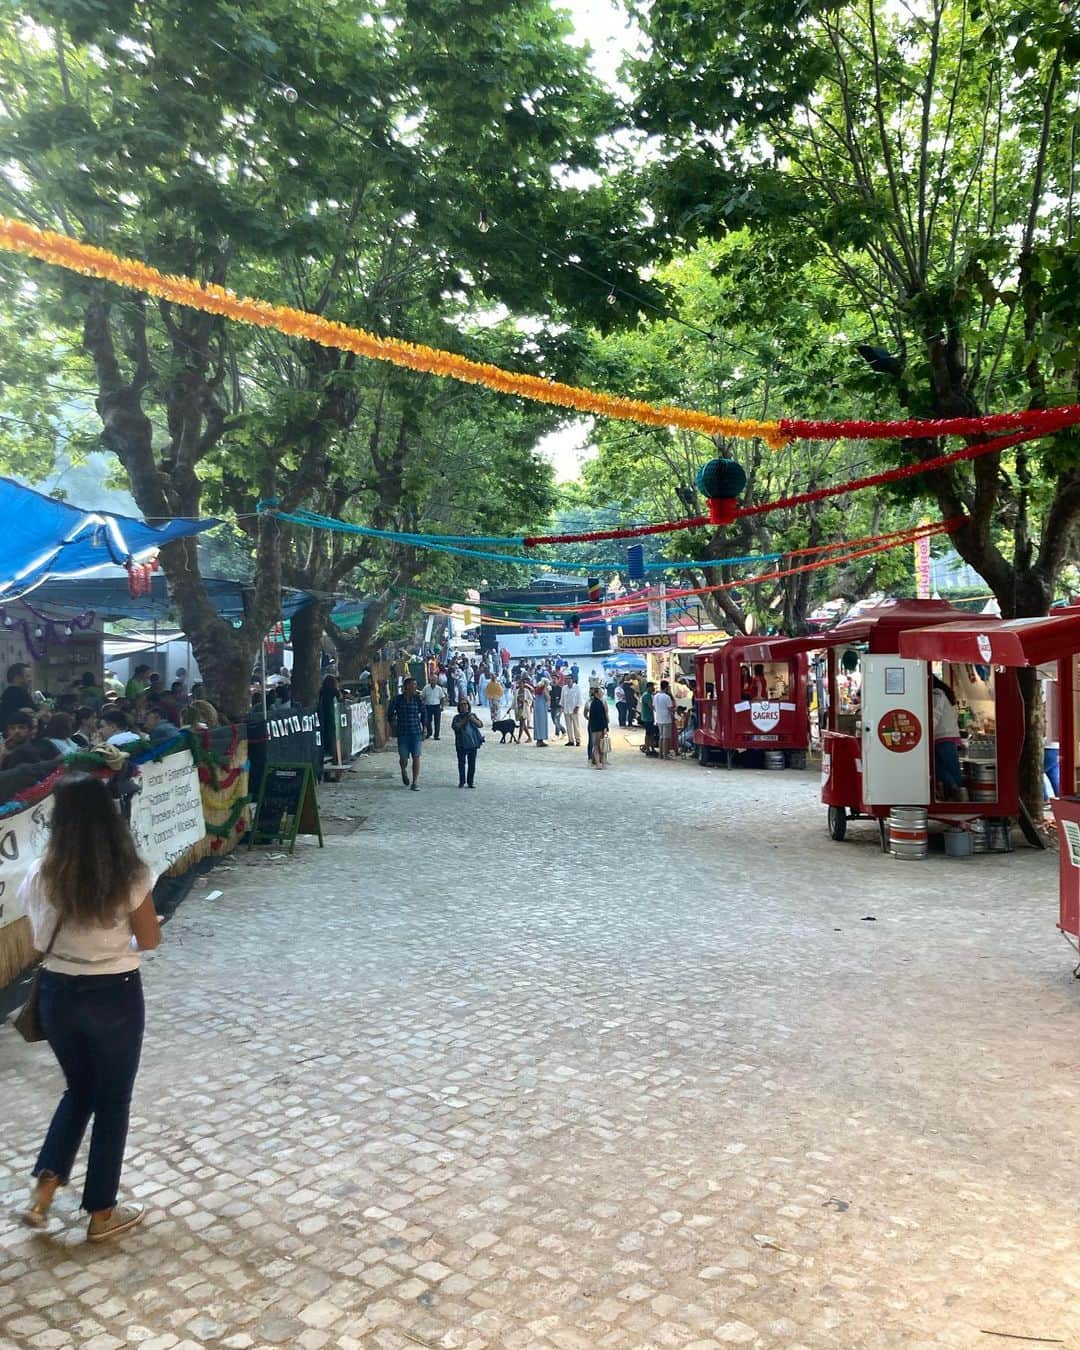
column 406, row 718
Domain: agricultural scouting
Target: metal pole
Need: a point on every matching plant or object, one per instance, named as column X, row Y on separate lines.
column 262, row 672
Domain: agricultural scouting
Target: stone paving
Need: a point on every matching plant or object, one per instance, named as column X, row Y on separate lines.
column 587, row 1061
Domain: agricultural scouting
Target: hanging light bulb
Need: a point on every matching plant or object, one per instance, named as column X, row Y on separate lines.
column 611, row 297
column 288, row 93
column 483, row 224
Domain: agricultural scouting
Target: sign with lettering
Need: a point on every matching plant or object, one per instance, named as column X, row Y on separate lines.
column 653, row 642
column 166, row 815
column 287, row 806
column 22, row 839
column 166, row 820
column 360, row 713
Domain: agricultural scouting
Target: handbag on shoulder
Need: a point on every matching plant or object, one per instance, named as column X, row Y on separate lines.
column 27, row 1021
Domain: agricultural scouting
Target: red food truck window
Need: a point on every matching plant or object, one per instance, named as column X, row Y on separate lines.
column 963, row 699
column 765, row 680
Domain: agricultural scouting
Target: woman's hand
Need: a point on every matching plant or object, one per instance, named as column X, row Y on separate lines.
column 145, row 925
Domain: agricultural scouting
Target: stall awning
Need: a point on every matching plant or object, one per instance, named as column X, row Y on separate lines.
column 781, row 648
column 997, row 642
column 45, row 538
column 110, row 598
column 892, row 616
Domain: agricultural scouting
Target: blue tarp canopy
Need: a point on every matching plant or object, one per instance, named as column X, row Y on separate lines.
column 45, row 538
column 624, row 661
column 109, row 598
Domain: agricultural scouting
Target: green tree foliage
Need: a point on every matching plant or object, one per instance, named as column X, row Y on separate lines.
column 926, row 156
column 755, row 349
column 394, row 164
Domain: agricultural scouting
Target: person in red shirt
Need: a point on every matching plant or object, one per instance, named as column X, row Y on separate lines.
column 759, row 686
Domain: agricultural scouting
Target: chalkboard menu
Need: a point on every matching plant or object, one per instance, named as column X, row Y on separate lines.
column 286, row 806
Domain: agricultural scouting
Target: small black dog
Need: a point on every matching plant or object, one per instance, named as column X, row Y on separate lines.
column 507, row 727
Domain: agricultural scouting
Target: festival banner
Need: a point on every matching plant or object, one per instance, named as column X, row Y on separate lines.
column 167, row 815
column 166, row 821
column 923, row 585
column 360, row 712
column 22, row 839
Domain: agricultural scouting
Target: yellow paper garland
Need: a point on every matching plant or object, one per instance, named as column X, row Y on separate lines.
column 16, row 236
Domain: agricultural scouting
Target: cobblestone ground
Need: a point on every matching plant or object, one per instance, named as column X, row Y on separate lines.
column 583, row 1060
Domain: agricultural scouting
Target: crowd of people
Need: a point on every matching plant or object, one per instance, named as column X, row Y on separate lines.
column 536, row 702
column 90, row 714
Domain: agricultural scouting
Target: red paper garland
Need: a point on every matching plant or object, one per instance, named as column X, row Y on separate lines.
column 1037, row 421
column 801, row 499
column 908, row 537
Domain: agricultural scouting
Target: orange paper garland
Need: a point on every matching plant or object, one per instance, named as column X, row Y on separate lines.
column 17, row 236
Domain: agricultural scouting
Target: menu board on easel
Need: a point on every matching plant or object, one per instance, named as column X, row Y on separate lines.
column 286, row 806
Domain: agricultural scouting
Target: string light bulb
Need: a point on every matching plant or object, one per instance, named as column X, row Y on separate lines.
column 483, row 224
column 611, row 297
column 288, row 93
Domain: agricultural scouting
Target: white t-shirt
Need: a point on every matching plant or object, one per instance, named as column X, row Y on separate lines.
column 123, row 738
column 434, row 695
column 571, row 698
column 663, row 709
column 946, row 722
column 78, row 950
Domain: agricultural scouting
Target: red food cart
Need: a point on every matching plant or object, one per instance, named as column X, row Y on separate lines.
column 1052, row 641
column 745, row 704
column 881, row 755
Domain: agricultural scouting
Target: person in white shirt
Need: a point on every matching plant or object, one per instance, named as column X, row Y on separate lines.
column 664, row 716
column 433, row 696
column 91, row 910
column 571, row 709
column 117, row 729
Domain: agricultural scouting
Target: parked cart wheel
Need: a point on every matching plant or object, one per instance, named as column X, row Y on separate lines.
column 837, row 823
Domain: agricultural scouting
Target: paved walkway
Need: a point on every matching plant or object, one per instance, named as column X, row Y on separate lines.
column 583, row 1060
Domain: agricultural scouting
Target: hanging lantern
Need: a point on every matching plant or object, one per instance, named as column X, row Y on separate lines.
column 140, row 576
column 722, row 481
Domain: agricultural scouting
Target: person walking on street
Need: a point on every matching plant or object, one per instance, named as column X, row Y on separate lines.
column 434, row 697
column 494, row 695
column 89, row 902
column 571, row 710
column 630, row 698
column 540, row 710
column 598, row 727
column 648, row 721
column 555, row 701
column 523, row 709
column 406, row 717
column 620, row 703
column 468, row 738
column 664, row 715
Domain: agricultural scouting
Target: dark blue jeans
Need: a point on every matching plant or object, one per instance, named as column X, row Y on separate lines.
column 466, row 762
column 94, row 1024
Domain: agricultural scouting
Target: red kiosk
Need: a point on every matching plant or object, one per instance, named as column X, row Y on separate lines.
column 1051, row 641
column 751, row 704
column 881, row 755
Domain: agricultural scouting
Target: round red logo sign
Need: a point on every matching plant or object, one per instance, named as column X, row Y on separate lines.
column 899, row 730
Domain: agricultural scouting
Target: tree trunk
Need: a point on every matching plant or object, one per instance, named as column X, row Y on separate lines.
column 308, row 626
column 380, row 692
column 225, row 654
column 356, row 648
